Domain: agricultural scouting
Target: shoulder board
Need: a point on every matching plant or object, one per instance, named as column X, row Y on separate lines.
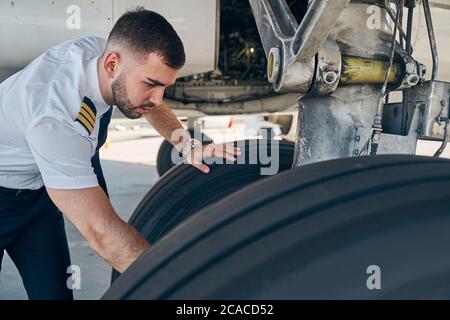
column 87, row 115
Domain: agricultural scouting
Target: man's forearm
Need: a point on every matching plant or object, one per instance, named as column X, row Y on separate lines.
column 166, row 123
column 93, row 215
column 119, row 244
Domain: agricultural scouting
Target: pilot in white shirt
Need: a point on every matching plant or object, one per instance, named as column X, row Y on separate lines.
column 54, row 99
column 53, row 119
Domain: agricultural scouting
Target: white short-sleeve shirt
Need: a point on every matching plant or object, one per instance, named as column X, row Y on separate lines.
column 49, row 119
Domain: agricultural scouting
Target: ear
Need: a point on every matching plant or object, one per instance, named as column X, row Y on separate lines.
column 112, row 64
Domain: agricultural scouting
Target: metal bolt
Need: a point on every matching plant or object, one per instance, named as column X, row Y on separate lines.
column 330, row 77
column 357, row 138
column 442, row 103
column 355, row 152
column 412, row 79
column 273, row 65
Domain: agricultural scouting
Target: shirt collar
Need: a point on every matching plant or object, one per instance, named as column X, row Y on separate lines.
column 94, row 86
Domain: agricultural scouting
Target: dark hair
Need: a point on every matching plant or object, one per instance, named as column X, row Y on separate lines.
column 143, row 31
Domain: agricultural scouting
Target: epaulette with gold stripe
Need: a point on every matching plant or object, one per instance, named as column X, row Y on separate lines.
column 87, row 115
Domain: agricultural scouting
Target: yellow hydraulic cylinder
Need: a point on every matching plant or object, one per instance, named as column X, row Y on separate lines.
column 356, row 70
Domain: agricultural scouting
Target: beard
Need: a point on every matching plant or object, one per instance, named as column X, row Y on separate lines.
column 121, row 100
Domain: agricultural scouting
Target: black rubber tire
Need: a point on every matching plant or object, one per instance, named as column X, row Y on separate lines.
column 310, row 232
column 164, row 159
column 184, row 190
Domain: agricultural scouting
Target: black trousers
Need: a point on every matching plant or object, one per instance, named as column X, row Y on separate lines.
column 32, row 232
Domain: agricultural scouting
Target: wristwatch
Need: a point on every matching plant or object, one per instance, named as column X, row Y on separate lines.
column 191, row 144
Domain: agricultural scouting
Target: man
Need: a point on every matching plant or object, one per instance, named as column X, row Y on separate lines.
column 53, row 119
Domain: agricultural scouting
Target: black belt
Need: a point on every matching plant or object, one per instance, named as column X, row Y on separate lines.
column 16, row 192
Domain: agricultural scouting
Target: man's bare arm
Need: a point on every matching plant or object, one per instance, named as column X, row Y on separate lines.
column 93, row 215
column 165, row 122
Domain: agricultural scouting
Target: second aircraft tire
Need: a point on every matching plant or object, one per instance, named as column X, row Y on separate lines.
column 360, row 228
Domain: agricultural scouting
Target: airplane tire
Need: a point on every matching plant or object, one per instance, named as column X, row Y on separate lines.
column 356, row 228
column 184, row 190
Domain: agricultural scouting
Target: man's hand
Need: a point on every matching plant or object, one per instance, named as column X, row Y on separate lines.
column 92, row 214
column 167, row 124
column 226, row 151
